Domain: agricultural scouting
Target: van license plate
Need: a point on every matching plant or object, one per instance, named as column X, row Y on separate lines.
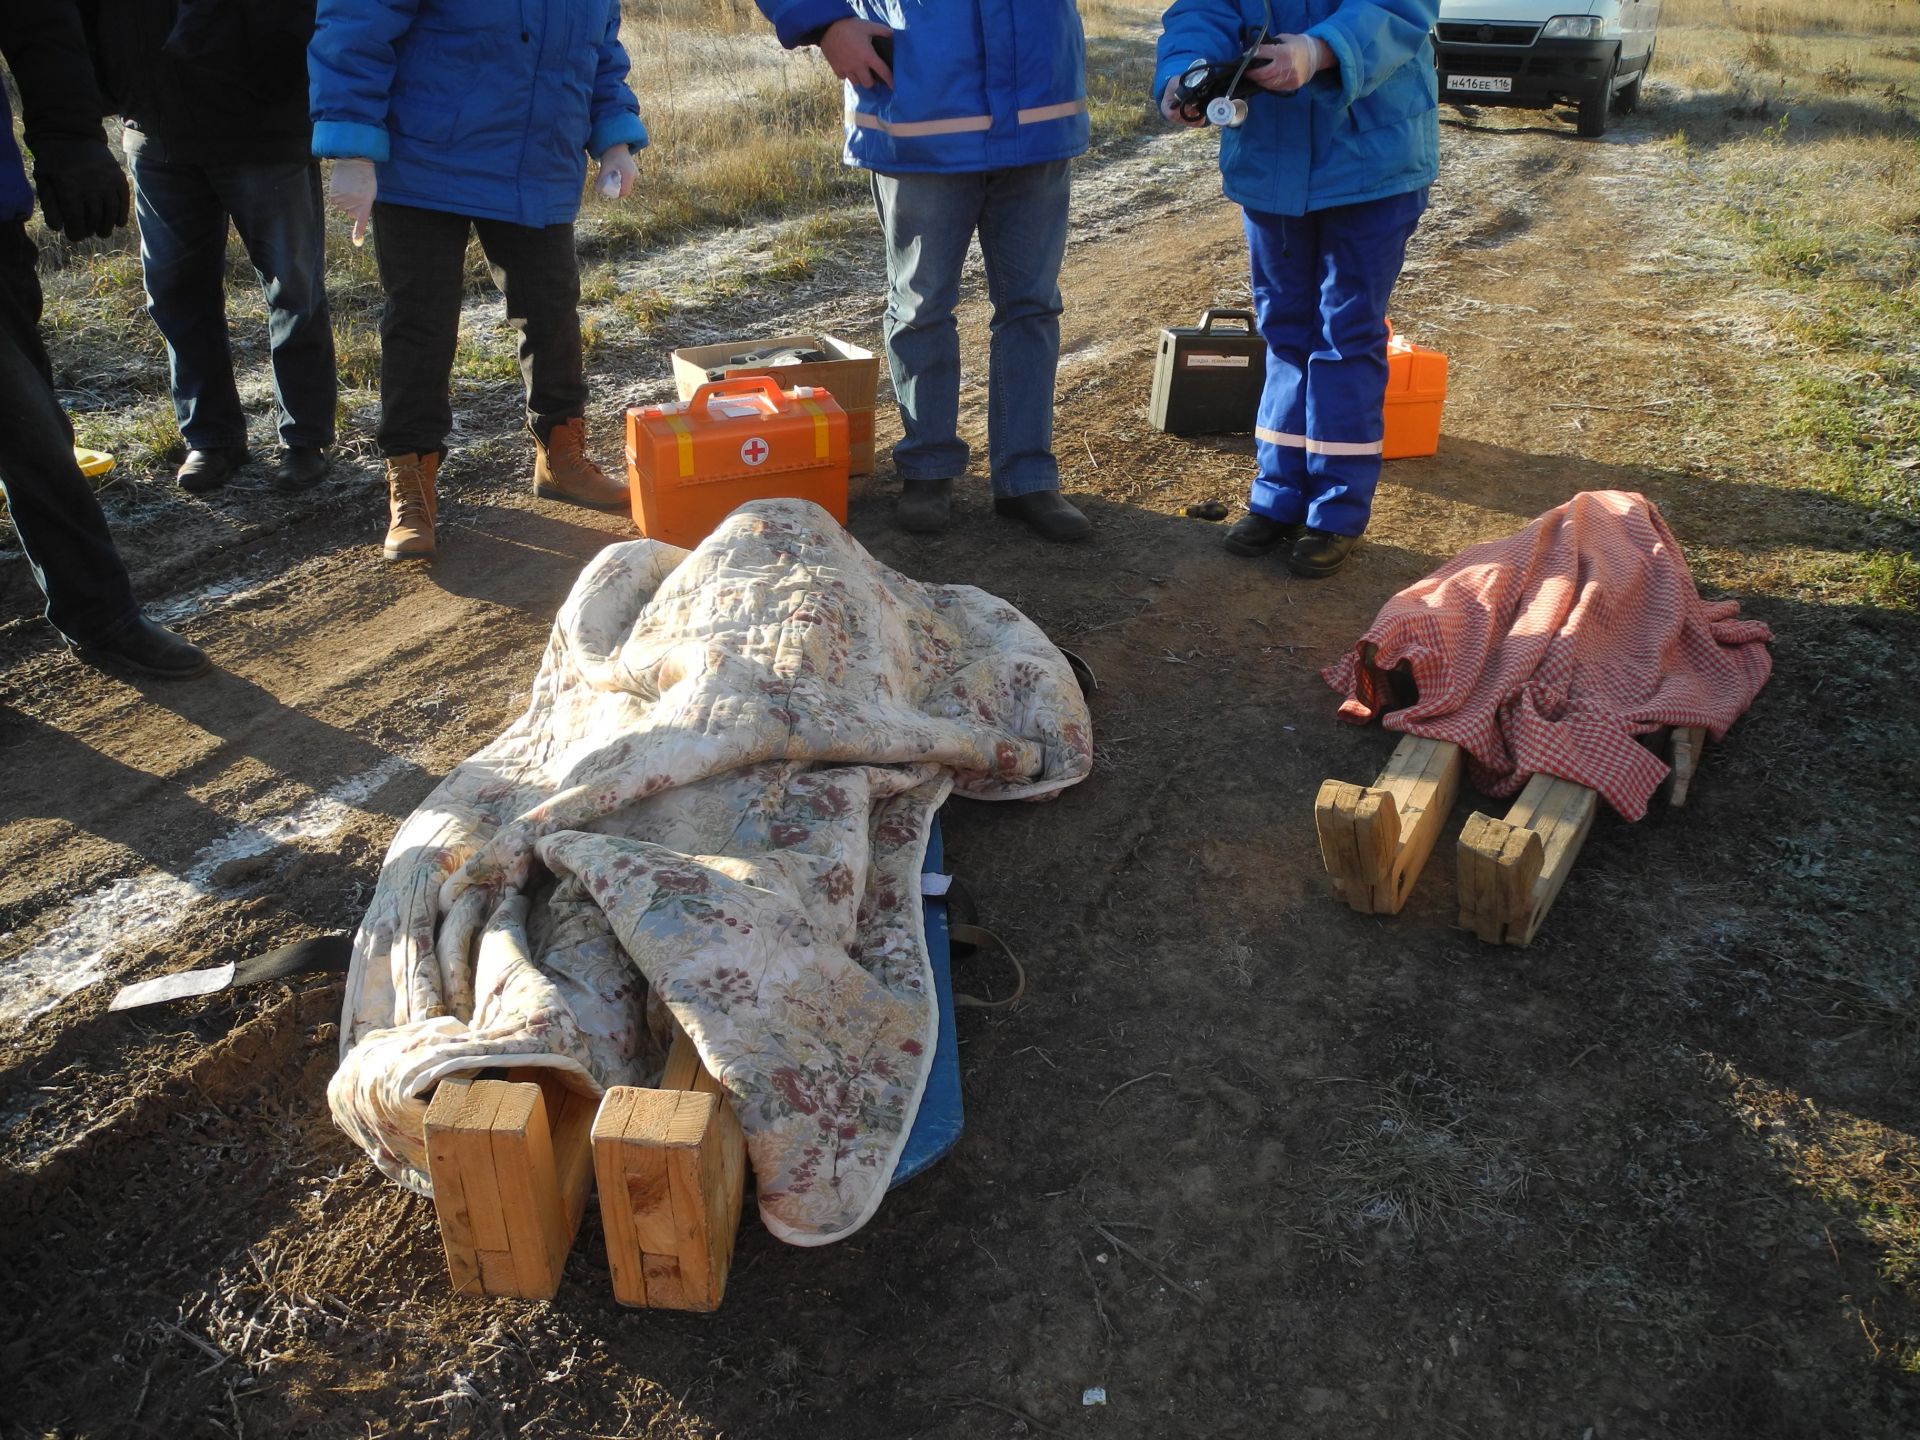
column 1500, row 84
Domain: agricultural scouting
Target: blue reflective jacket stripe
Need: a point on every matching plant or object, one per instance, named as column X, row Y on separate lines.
column 1363, row 131
column 481, row 107
column 978, row 84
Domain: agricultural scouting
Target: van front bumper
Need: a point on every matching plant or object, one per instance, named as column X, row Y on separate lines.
column 1547, row 72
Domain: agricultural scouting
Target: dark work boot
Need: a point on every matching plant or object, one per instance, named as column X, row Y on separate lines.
column 149, row 649
column 1255, row 534
column 301, row 467
column 205, row 470
column 1318, row 553
column 1047, row 512
column 925, row 506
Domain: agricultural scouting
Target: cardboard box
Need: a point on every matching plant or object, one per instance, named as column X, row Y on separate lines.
column 691, row 464
column 852, row 377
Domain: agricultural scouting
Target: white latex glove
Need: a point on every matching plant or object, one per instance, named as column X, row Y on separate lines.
column 351, row 188
column 1293, row 60
column 618, row 173
column 1171, row 115
column 848, row 47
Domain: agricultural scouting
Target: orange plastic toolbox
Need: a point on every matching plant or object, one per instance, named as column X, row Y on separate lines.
column 1416, row 393
column 692, row 463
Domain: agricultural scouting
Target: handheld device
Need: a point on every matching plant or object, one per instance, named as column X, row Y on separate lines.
column 1215, row 92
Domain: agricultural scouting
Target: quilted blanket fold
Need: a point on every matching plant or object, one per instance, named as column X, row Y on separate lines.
column 719, row 797
column 1548, row 651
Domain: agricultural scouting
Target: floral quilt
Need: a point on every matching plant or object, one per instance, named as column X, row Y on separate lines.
column 718, row 800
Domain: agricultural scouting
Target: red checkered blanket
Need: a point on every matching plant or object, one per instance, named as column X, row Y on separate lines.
column 1550, row 650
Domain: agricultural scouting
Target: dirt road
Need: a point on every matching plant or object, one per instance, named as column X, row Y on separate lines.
column 1375, row 1178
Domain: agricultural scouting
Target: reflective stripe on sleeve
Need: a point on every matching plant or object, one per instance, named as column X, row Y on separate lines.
column 964, row 124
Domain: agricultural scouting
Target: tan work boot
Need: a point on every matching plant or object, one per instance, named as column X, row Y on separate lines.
column 410, row 506
column 562, row 471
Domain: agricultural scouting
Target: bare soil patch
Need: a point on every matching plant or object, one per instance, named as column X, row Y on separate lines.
column 1644, row 1179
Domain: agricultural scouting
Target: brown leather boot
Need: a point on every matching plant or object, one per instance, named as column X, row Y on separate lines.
column 410, row 506
column 562, row 471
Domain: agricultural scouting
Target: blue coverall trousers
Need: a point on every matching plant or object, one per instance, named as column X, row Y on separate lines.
column 1320, row 287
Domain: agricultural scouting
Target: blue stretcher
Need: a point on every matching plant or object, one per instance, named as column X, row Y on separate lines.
column 937, row 1126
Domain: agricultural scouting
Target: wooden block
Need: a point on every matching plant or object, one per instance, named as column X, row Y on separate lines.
column 509, row 1183
column 1688, row 743
column 671, row 1165
column 1510, row 871
column 449, row 1194
column 1375, row 840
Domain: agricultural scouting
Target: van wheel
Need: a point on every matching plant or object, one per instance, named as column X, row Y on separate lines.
column 1592, row 123
column 1627, row 97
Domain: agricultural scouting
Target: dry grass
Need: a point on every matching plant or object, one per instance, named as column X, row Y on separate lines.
column 1413, row 1165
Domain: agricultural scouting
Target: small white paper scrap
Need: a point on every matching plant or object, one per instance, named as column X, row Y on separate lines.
column 1094, row 1395
column 177, row 986
column 935, row 884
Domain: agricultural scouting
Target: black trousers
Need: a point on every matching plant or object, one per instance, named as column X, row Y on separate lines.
column 422, row 260
column 60, row 524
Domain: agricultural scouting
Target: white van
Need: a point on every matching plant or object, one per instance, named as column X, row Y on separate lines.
column 1540, row 53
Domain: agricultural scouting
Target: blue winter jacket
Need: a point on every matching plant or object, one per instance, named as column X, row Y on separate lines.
column 977, row 84
column 1362, row 131
column 481, row 107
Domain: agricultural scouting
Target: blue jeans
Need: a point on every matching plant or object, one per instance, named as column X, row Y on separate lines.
column 929, row 220
column 183, row 211
column 1321, row 282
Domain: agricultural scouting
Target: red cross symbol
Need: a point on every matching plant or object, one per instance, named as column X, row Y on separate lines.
column 755, row 451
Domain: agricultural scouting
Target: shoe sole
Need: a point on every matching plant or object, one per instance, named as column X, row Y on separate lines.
column 114, row 661
column 606, row 506
column 1319, row 572
column 386, row 554
column 1249, row 549
column 1062, row 537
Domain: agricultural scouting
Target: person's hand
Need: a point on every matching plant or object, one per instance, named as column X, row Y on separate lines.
column 1170, row 112
column 83, row 190
column 618, row 173
column 351, row 188
column 848, row 47
column 1292, row 60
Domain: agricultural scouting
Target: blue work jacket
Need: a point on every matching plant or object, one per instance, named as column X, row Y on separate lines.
column 1362, row 131
column 977, row 84
column 481, row 107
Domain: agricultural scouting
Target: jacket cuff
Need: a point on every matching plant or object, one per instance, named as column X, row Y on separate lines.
column 343, row 140
column 1171, row 70
column 622, row 129
column 804, row 23
column 1346, row 61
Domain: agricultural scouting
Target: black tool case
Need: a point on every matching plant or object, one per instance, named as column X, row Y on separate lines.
column 1206, row 380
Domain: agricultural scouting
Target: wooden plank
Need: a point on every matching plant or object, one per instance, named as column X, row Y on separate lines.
column 1511, row 871
column 509, row 1184
column 474, row 1154
column 449, row 1193
column 1688, row 741
column 616, row 1212
column 645, row 1168
column 672, row 1170
column 529, row 1189
column 1333, row 811
column 1571, row 820
column 695, row 1220
column 1375, row 840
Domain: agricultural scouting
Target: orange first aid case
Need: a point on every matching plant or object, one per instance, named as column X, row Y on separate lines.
column 691, row 464
column 1416, row 393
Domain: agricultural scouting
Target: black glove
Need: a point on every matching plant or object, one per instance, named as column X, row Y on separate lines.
column 83, row 190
